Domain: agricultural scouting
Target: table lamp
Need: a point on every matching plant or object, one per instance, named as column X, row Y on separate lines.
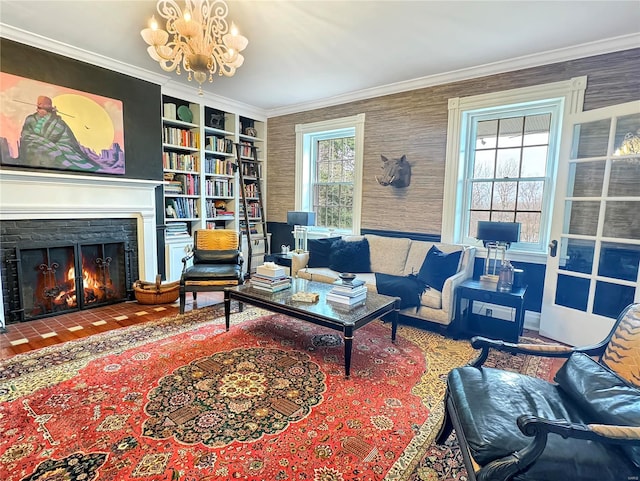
column 496, row 237
column 300, row 220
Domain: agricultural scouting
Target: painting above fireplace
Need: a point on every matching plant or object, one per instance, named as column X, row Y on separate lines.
column 53, row 127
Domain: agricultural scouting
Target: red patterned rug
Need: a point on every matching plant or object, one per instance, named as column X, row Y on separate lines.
column 181, row 399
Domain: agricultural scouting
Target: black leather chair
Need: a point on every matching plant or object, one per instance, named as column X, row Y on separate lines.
column 217, row 263
column 583, row 426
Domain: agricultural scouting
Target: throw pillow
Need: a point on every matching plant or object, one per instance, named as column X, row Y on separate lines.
column 350, row 256
column 438, row 266
column 320, row 251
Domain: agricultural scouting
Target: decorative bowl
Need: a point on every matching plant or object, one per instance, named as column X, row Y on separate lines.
column 347, row 277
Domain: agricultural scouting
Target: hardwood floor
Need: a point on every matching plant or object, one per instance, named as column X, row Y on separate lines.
column 27, row 336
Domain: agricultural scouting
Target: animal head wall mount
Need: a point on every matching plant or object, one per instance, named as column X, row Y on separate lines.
column 395, row 172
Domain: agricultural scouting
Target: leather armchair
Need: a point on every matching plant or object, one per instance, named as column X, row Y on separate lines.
column 585, row 425
column 217, row 263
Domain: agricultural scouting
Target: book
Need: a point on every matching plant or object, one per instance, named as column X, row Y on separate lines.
column 339, row 290
column 272, row 289
column 350, row 285
column 270, row 284
column 269, row 280
column 345, row 299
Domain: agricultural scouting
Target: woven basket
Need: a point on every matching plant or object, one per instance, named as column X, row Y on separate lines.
column 156, row 292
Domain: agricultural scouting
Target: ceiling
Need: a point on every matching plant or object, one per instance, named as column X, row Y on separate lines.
column 313, row 53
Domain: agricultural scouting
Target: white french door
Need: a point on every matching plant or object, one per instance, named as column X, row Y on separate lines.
column 593, row 265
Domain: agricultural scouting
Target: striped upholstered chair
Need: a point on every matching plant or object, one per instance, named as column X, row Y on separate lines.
column 585, row 425
column 217, row 263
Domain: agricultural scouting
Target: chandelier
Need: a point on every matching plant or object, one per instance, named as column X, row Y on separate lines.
column 196, row 39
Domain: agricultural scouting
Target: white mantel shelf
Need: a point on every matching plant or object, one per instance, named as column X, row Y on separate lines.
column 50, row 195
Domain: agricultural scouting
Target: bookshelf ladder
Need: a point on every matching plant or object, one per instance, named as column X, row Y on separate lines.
column 250, row 174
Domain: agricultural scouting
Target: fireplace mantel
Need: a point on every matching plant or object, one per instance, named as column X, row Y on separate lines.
column 47, row 195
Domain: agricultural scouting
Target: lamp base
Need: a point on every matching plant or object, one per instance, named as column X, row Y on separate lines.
column 489, row 278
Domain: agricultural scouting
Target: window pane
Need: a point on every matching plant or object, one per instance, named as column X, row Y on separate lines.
column 577, row 255
column 484, row 164
column 610, row 299
column 625, row 178
column 534, row 161
column 592, row 139
column 536, row 129
column 572, row 292
column 346, row 195
column 627, row 135
column 481, row 195
column 508, row 163
column 321, row 194
column 529, row 226
column 474, row 217
column 510, row 132
column 622, row 220
column 348, row 171
column 585, row 179
column 504, row 195
column 498, row 216
column 530, row 195
column 619, row 261
column 582, row 217
column 487, row 133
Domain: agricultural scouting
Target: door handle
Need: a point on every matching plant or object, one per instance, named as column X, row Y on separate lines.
column 553, row 248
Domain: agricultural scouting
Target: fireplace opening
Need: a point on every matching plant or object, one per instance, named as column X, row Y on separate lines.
column 56, row 279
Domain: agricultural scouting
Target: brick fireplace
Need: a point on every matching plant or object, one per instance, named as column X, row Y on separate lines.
column 73, row 212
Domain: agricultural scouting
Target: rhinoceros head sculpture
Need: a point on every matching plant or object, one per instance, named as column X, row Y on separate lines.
column 396, row 172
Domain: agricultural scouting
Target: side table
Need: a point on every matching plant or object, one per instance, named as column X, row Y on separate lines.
column 472, row 325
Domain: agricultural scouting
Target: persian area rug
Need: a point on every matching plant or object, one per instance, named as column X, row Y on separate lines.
column 181, row 399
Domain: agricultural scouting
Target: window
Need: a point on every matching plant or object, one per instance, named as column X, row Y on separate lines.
column 329, row 172
column 508, row 178
column 502, row 152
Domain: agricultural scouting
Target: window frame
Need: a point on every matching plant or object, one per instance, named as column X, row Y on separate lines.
column 305, row 147
column 568, row 94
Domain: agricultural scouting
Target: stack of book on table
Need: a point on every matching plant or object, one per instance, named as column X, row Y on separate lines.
column 349, row 294
column 270, row 277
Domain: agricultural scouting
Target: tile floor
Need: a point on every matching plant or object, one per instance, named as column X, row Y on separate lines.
column 27, row 336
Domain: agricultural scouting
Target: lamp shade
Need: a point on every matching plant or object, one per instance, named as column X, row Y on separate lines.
column 502, row 232
column 301, row 218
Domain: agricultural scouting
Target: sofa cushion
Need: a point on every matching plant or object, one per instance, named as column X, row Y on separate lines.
column 602, row 393
column 431, row 298
column 438, row 266
column 320, row 251
column 388, row 254
column 489, row 401
column 350, row 256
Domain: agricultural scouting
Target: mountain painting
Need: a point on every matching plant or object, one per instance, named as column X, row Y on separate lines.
column 52, row 127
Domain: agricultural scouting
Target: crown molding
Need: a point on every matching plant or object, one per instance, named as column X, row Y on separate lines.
column 599, row 47
column 66, row 50
column 165, row 81
column 590, row 49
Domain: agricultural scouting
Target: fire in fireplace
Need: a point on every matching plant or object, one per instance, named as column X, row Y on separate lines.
column 57, row 279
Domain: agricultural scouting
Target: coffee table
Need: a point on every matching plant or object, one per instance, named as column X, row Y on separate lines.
column 322, row 312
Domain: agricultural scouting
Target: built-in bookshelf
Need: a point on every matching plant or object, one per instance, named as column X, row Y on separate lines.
column 201, row 187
